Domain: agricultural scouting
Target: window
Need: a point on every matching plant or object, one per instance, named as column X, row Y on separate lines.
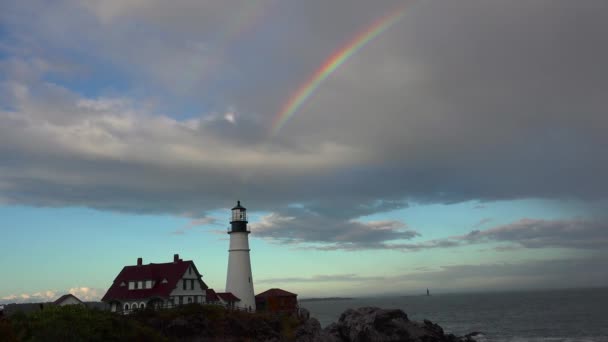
column 141, row 285
column 184, row 284
column 189, row 300
column 136, row 285
column 181, row 300
column 131, row 285
column 142, row 305
column 149, row 284
column 189, row 270
column 122, row 284
column 191, row 284
column 126, row 307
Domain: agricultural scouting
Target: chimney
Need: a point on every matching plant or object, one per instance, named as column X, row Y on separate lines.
column 139, row 261
column 175, row 257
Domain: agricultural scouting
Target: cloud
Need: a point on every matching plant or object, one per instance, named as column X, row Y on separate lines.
column 304, row 226
column 449, row 105
column 557, row 273
column 531, row 233
column 83, row 293
column 320, row 279
column 204, row 221
column 525, row 233
column 482, row 222
column 577, row 272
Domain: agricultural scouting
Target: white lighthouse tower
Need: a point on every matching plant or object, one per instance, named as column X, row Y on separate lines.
column 239, row 280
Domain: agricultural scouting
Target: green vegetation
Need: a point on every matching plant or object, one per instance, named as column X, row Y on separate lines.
column 75, row 323
column 203, row 322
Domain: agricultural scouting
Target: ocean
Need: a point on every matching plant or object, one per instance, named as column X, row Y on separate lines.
column 547, row 316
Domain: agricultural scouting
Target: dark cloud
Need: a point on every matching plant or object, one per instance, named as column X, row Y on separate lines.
column 302, row 226
column 462, row 101
column 525, row 233
column 531, row 233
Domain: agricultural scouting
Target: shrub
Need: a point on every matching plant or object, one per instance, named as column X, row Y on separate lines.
column 78, row 323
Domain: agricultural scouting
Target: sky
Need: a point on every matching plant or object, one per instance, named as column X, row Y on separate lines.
column 380, row 147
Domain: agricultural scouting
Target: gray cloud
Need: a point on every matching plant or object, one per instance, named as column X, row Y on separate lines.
column 482, row 222
column 321, row 279
column 83, row 293
column 195, row 223
column 531, row 233
column 470, row 277
column 525, row 233
column 459, row 101
column 534, row 273
column 303, row 226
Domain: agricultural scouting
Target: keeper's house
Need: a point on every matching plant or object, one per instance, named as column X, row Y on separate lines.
column 156, row 285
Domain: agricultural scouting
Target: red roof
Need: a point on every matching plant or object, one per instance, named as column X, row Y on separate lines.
column 228, row 297
column 275, row 293
column 172, row 272
column 212, row 296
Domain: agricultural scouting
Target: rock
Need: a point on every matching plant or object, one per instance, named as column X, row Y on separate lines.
column 304, row 314
column 471, row 337
column 332, row 332
column 309, row 331
column 433, row 327
column 380, row 325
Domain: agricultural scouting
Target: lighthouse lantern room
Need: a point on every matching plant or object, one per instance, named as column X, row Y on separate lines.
column 238, row 222
column 239, row 278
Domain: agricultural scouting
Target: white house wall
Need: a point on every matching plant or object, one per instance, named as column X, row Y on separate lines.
column 70, row 301
column 197, row 295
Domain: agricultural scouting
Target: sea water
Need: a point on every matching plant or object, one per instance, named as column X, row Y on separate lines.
column 547, row 316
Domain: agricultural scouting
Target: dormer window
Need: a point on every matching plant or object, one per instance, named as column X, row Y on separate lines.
column 164, row 281
column 122, row 284
column 131, row 285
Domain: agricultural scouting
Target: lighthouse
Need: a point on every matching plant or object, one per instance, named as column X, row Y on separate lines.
column 239, row 280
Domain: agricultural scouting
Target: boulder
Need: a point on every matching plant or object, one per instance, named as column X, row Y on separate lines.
column 303, row 313
column 308, row 331
column 380, row 325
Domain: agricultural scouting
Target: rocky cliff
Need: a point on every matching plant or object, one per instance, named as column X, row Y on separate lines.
column 372, row 324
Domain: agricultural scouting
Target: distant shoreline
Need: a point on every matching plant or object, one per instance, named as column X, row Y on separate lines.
column 324, row 299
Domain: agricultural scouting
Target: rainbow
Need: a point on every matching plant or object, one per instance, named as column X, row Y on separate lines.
column 305, row 91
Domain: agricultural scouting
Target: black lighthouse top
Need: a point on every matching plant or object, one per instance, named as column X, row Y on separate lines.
column 238, row 220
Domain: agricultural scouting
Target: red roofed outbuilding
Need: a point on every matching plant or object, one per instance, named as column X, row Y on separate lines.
column 212, row 297
column 228, row 299
column 277, row 300
column 158, row 285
